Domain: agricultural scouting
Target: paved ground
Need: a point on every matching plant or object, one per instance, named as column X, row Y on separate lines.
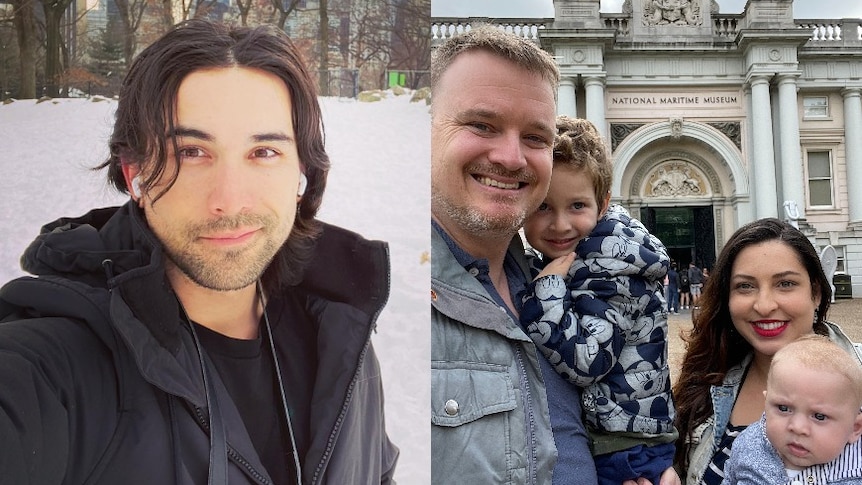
column 846, row 313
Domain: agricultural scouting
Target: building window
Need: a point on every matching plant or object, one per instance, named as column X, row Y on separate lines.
column 819, row 178
column 816, row 106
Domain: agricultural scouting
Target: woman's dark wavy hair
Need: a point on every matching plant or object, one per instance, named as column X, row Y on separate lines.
column 713, row 346
column 146, row 109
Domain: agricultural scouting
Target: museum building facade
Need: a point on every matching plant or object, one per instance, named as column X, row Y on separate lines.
column 715, row 119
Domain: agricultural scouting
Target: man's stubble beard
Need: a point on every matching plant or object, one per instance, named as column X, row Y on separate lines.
column 235, row 269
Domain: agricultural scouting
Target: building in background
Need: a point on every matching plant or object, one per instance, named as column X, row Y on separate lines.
column 715, row 120
column 370, row 44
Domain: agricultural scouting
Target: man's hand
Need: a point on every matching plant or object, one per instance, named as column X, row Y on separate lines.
column 669, row 477
column 559, row 266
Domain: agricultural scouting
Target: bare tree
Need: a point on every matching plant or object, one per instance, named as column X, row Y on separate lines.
column 196, row 8
column 244, row 8
column 167, row 14
column 26, row 29
column 131, row 13
column 284, row 8
column 54, row 11
column 323, row 80
column 366, row 43
column 411, row 44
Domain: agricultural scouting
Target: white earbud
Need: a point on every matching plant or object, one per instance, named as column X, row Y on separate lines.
column 136, row 186
column 303, row 182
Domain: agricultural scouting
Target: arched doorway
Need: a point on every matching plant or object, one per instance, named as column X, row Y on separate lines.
column 686, row 181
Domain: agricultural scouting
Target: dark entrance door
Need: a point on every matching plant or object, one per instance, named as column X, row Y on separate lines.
column 687, row 233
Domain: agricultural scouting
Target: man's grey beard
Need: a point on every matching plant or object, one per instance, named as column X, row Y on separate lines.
column 475, row 222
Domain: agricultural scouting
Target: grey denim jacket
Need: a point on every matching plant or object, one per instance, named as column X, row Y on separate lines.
column 489, row 412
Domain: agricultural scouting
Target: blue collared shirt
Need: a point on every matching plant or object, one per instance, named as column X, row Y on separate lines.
column 574, row 461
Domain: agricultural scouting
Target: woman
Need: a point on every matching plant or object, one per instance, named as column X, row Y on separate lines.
column 766, row 290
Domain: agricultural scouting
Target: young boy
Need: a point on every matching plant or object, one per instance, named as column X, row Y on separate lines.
column 606, row 331
column 810, row 430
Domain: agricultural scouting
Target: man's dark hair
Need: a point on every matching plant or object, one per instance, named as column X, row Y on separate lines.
column 147, row 104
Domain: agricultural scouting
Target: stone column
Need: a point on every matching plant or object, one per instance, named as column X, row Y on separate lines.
column 595, row 89
column 853, row 151
column 567, row 103
column 793, row 188
column 763, row 154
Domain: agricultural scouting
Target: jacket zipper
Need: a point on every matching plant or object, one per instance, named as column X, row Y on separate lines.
column 529, row 415
column 349, row 397
column 235, row 457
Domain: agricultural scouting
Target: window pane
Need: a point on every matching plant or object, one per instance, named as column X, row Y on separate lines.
column 818, row 165
column 811, row 101
column 816, row 106
column 820, row 192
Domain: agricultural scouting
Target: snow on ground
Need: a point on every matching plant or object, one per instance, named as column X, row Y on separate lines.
column 378, row 186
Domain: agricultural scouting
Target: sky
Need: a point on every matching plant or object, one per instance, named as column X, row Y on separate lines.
column 378, row 186
column 802, row 9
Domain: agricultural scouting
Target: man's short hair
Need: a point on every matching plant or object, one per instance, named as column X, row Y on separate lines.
column 578, row 144
column 516, row 49
column 147, row 105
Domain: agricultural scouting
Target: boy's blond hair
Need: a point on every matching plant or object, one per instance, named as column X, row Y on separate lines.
column 819, row 353
column 578, row 144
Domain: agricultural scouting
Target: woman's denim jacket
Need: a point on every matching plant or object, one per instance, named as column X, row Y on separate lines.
column 706, row 436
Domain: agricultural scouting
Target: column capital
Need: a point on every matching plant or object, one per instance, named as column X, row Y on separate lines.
column 851, row 91
column 758, row 78
column 788, row 77
column 595, row 79
column 568, row 81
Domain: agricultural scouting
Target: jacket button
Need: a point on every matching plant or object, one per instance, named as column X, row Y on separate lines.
column 474, row 271
column 451, row 407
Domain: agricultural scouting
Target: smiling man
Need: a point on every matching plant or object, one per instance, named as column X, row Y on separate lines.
column 492, row 132
column 195, row 334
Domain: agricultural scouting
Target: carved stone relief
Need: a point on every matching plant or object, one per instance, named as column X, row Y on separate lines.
column 619, row 132
column 675, row 128
column 675, row 178
column 671, row 12
column 730, row 129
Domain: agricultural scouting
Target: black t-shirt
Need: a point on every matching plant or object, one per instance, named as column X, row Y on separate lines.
column 247, row 370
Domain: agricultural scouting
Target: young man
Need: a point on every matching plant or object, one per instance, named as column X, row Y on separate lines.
column 195, row 334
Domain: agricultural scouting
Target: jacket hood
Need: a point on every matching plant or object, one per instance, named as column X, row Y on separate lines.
column 114, row 248
column 78, row 248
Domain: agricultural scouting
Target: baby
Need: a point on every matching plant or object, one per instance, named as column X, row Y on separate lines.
column 810, row 430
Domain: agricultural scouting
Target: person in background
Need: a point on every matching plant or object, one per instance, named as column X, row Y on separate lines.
column 595, row 309
column 684, row 289
column 695, row 281
column 210, row 330
column 810, row 430
column 767, row 289
column 672, row 289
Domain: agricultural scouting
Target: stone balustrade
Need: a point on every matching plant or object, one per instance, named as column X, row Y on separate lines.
column 843, row 31
column 824, row 32
column 443, row 28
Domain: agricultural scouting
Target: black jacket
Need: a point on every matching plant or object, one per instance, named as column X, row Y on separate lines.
column 100, row 379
